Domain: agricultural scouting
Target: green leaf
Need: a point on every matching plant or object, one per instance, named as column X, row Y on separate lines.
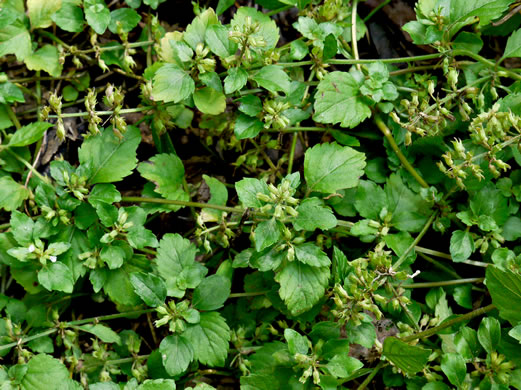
column 489, row 201
column 505, row 290
column 223, row 5
column 298, row 50
column 267, row 233
column 338, row 100
column 489, row 334
column 247, row 127
column 149, row 287
column 110, row 158
column 408, row 358
column 310, row 254
column 118, row 287
column 211, row 293
column 9, row 93
column 296, row 342
column 69, row 18
column 56, row 277
column 12, row 194
column 236, row 79
column 44, row 372
column 454, row 367
column 210, row 101
column 273, row 78
column 172, row 84
column 247, row 190
column 313, row 214
column 176, row 264
column 126, row 16
column 209, row 339
column 196, row 31
column 461, row 245
column 250, row 105
column 342, row 365
column 219, row 196
column 515, row 332
column 97, row 15
column 370, row 200
column 29, row 134
column 104, row 333
column 329, row 167
column 409, row 211
column 513, row 47
column 106, row 193
column 22, row 227
column 167, row 172
column 46, row 59
column 40, row 12
column 177, row 353
column 218, row 41
column 302, row 286
column 268, row 30
column 15, row 39
column 157, row 384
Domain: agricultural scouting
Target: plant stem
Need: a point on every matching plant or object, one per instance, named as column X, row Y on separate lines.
column 11, row 114
column 247, row 294
column 370, row 377
column 448, row 257
column 354, row 43
column 443, row 283
column 449, row 323
column 376, row 9
column 406, row 164
column 416, row 241
column 29, row 166
column 124, row 111
column 292, row 152
column 138, row 199
column 438, row 265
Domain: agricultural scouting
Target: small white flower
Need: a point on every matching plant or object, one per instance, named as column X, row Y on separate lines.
column 31, row 248
column 53, row 259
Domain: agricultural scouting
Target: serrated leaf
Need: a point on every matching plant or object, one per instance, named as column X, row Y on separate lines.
column 461, row 245
column 296, row 342
column 127, row 17
column 150, row 288
column 219, row 42
column 513, row 47
column 97, row 15
column 69, row 17
column 342, row 365
column 110, row 158
column 176, row 264
column 236, row 79
column 408, row 358
column 338, row 100
column 15, row 39
column 209, row 339
column 313, row 214
column 29, row 134
column 104, row 333
column 267, row 31
column 166, row 171
column 44, row 372
column 267, row 233
column 302, row 286
column 40, row 12
column 12, row 194
column 211, row 293
column 172, row 84
column 247, row 190
column 310, row 254
column 329, row 167
column 247, row 126
column 273, row 78
column 210, row 101
column 370, row 199
column 177, row 353
column 505, row 289
column 47, row 59
column 56, row 277
column 195, row 32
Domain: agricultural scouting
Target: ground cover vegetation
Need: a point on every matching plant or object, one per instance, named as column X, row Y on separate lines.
column 271, row 194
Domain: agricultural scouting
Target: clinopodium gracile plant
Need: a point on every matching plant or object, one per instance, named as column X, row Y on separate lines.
column 260, row 194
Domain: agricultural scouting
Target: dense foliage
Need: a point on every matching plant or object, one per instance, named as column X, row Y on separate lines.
column 247, row 197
